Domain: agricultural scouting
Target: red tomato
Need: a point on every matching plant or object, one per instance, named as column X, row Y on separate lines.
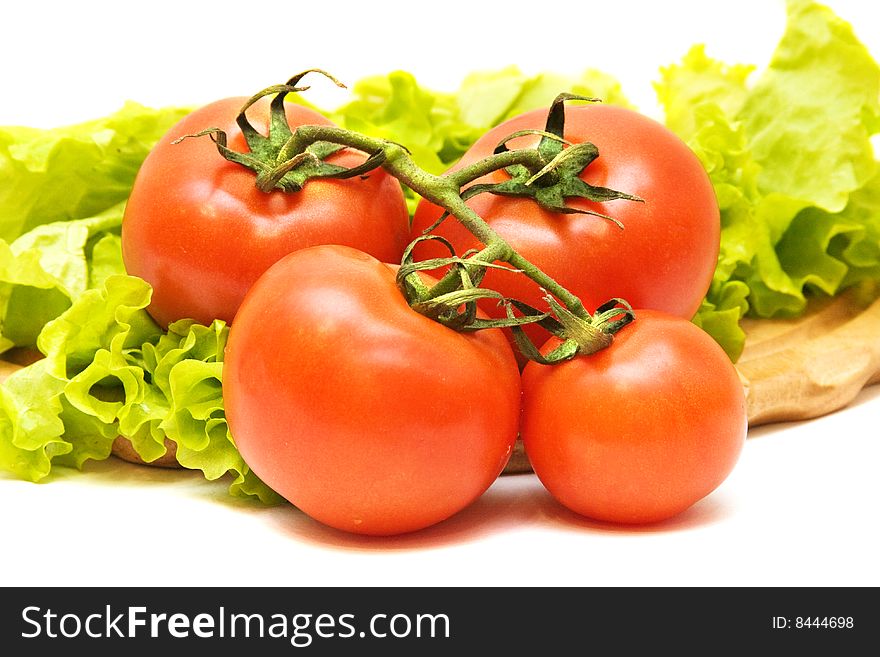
column 663, row 258
column 200, row 232
column 640, row 431
column 366, row 415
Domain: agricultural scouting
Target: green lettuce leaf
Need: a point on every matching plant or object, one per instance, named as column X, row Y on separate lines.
column 44, row 270
column 77, row 171
column 860, row 248
column 486, row 98
column 110, row 371
column 792, row 164
column 62, row 194
column 697, row 82
column 30, row 424
column 811, row 114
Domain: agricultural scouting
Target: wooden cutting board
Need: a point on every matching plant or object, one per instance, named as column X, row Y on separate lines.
column 791, row 369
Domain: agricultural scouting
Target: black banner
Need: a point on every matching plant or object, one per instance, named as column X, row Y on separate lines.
column 433, row 621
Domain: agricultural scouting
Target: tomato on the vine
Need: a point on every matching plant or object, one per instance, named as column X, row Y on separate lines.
column 664, row 256
column 364, row 414
column 639, row 431
column 200, row 232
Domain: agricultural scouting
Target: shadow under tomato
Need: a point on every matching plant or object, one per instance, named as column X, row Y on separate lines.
column 512, row 503
column 509, row 503
column 709, row 510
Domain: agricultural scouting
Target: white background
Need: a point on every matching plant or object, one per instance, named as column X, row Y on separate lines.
column 799, row 509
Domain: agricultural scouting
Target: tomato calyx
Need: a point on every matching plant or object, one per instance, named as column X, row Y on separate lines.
column 274, row 157
column 579, row 336
column 558, row 177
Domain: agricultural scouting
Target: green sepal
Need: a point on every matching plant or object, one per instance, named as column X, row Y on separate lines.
column 559, row 179
column 270, row 156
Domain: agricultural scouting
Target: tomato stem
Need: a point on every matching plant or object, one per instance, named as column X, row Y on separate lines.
column 528, row 158
column 445, row 191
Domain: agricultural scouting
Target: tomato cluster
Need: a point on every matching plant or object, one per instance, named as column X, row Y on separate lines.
column 374, row 418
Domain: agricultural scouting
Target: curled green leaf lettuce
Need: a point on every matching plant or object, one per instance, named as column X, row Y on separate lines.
column 110, row 371
column 792, row 164
column 62, row 194
column 75, row 171
column 44, row 270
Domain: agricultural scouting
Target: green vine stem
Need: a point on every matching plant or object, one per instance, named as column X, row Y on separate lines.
column 445, row 191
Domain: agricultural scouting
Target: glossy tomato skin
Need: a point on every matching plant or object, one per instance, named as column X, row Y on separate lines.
column 666, row 253
column 640, row 431
column 364, row 414
column 200, row 232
